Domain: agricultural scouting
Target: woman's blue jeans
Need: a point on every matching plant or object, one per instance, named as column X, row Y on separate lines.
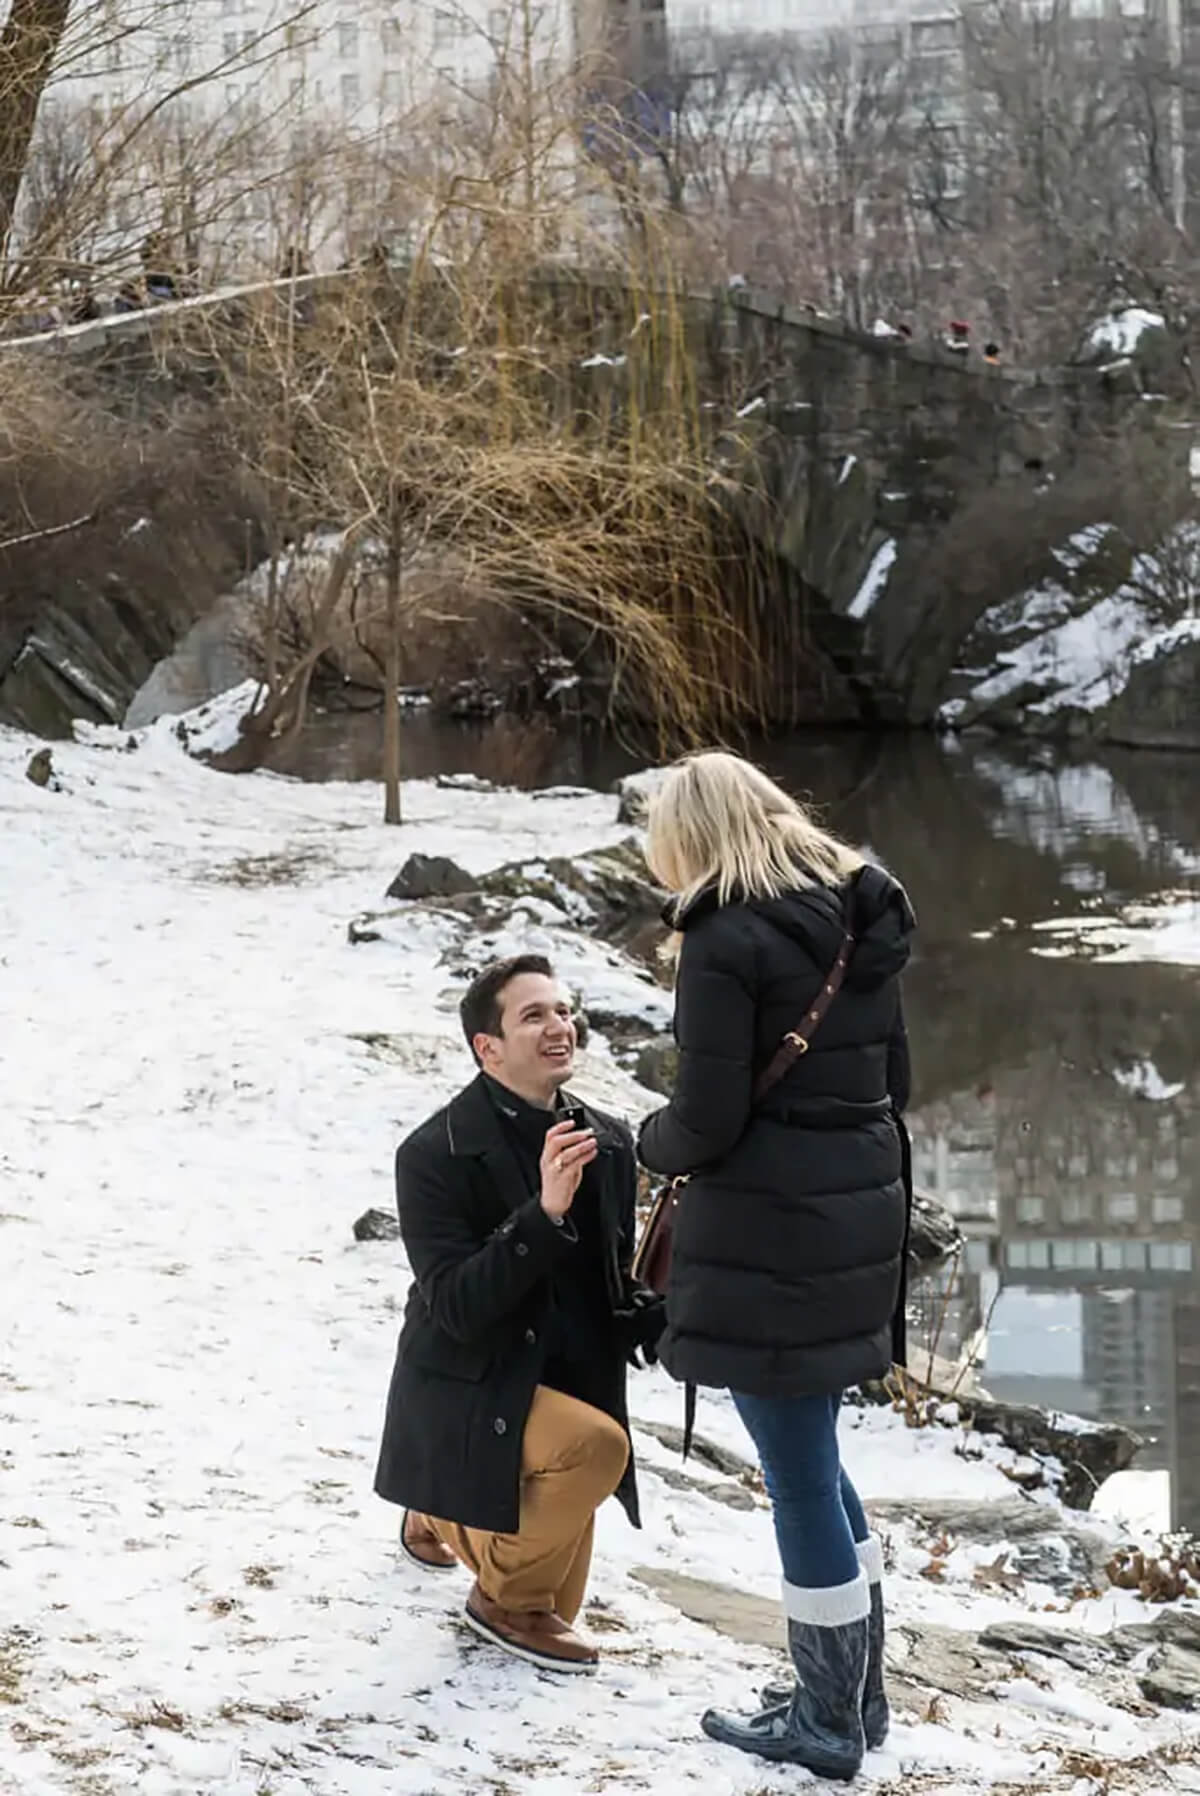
column 818, row 1516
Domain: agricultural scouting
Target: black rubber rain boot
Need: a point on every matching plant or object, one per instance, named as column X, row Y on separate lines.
column 876, row 1716
column 821, row 1727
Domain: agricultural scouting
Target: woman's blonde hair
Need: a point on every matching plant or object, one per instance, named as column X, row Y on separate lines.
column 718, row 821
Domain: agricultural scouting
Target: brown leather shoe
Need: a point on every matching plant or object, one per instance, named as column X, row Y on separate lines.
column 422, row 1546
column 537, row 1635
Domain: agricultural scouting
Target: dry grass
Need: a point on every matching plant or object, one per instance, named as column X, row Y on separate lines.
column 254, row 872
column 15, row 1646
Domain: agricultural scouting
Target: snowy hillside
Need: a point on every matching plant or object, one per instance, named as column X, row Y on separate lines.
column 198, row 1591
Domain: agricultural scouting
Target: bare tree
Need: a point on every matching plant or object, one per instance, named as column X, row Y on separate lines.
column 85, row 174
column 29, row 44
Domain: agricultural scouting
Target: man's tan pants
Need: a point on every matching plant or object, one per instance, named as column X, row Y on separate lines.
column 572, row 1458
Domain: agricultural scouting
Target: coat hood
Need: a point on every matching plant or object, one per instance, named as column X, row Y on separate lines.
column 873, row 905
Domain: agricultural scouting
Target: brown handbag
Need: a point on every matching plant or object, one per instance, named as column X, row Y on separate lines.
column 652, row 1256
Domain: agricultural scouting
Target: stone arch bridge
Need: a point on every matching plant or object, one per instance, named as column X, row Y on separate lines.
column 883, row 485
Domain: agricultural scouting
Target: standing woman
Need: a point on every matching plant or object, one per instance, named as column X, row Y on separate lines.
column 786, row 1271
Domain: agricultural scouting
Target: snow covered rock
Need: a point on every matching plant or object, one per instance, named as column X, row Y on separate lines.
column 607, row 891
column 1158, row 706
column 213, row 656
column 634, row 793
column 1065, row 1453
column 1122, row 331
column 377, row 1225
column 1136, row 352
column 595, row 916
column 1090, row 651
column 932, row 1237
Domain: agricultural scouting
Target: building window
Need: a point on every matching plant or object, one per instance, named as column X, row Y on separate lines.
column 393, row 37
column 445, row 28
column 249, row 39
column 1167, row 1209
column 1031, row 1209
column 229, row 45
column 498, row 20
column 1079, row 1256
column 933, row 35
column 351, row 92
column 1016, row 1255
column 1121, row 1206
column 1076, row 1206
column 183, row 54
column 348, row 39
column 1171, row 1256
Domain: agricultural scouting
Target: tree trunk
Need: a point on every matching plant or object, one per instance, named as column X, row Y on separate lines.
column 29, row 44
column 391, row 677
column 286, row 704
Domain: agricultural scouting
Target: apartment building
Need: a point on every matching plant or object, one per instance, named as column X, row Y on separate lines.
column 346, row 60
column 229, row 127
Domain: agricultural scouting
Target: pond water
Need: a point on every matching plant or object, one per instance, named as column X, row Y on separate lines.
column 1057, row 1090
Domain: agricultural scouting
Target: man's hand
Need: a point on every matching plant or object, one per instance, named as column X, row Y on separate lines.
column 567, row 1151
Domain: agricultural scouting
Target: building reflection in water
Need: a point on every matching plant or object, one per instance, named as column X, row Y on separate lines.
column 1076, row 1186
column 1057, row 1102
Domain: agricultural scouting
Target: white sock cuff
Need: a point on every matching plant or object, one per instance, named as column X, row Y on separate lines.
column 829, row 1608
column 870, row 1558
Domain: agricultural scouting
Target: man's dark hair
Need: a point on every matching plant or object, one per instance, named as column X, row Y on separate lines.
column 481, row 1010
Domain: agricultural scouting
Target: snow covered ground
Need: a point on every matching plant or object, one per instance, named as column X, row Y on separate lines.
column 198, row 1591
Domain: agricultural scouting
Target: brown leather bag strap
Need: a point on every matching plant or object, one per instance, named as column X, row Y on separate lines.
column 796, row 1042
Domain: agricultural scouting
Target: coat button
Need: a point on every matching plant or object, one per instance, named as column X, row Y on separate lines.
column 521, row 1248
column 530, row 1337
column 500, row 1426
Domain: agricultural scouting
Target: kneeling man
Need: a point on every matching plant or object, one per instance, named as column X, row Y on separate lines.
column 506, row 1420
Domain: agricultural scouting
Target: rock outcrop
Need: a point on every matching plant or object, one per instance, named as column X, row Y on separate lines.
column 1096, row 650
column 1069, row 1455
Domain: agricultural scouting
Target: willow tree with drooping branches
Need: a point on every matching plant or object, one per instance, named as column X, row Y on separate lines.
column 508, row 419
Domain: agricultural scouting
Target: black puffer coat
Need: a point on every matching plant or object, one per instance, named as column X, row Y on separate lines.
column 789, row 1240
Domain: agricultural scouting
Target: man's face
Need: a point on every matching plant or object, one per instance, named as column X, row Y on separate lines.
column 535, row 1052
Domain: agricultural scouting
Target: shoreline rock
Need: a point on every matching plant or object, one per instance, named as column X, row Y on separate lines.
column 1075, row 1456
column 1097, row 651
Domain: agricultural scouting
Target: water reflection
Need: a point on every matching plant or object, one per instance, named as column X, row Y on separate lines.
column 1058, row 1101
column 1057, row 1105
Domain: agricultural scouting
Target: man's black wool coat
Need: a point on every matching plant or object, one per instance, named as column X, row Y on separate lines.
column 482, row 1253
